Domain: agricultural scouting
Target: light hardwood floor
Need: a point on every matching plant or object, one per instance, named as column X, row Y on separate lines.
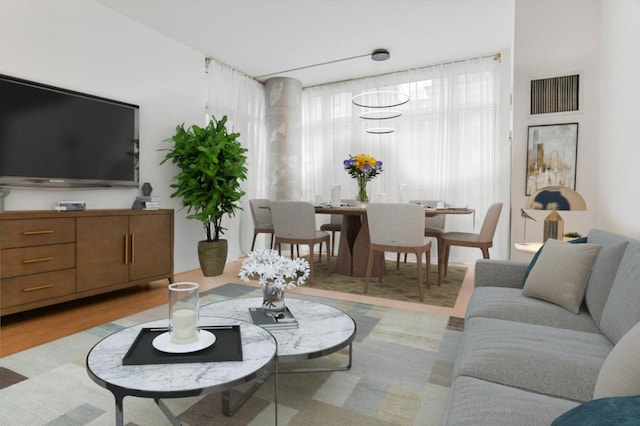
column 28, row 329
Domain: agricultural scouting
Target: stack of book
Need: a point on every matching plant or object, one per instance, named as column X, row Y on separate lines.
column 284, row 320
column 147, row 202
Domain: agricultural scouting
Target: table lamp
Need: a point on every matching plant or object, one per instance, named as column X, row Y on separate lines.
column 555, row 198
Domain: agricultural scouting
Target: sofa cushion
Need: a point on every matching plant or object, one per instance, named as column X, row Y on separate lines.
column 620, row 373
column 510, row 304
column 477, row 402
column 561, row 273
column 603, row 273
column 553, row 361
column 618, row 411
column 534, row 259
column 621, row 311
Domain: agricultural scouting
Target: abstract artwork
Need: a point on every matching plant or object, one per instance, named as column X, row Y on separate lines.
column 551, row 156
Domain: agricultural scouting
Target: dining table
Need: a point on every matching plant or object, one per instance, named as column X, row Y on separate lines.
column 353, row 249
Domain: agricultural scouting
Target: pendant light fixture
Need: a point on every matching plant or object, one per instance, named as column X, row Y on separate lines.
column 380, row 102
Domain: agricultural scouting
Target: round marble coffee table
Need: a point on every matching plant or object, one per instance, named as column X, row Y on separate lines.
column 322, row 329
column 177, row 380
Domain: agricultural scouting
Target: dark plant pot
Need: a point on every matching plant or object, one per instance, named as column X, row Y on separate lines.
column 212, row 256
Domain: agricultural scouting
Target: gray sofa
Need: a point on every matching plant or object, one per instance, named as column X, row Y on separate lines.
column 526, row 361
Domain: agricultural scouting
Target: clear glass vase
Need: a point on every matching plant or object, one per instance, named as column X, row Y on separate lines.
column 362, row 197
column 272, row 299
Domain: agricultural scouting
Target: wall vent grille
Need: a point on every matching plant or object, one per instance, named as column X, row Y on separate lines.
column 556, row 94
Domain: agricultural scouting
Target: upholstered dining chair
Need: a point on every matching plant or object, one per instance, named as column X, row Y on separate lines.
column 262, row 222
column 294, row 223
column 433, row 227
column 335, row 225
column 482, row 240
column 398, row 228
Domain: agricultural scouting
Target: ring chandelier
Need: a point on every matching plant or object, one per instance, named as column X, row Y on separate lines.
column 380, row 101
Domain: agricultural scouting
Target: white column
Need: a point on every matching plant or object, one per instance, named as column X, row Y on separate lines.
column 284, row 132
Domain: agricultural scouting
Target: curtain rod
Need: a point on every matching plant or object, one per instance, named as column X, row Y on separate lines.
column 208, row 59
column 495, row 57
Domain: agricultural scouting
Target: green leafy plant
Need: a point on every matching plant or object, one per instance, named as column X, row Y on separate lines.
column 572, row 235
column 212, row 164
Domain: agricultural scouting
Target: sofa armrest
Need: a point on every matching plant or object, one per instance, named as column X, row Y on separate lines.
column 500, row 273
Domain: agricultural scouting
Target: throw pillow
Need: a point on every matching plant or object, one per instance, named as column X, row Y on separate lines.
column 534, row 259
column 561, row 273
column 620, row 411
column 620, row 372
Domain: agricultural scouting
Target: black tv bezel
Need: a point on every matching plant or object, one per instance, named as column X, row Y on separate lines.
column 75, row 183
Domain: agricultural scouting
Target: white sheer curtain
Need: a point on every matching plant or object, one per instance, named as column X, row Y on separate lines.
column 241, row 99
column 444, row 146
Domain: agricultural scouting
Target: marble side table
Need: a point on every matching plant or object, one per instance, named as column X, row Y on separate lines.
column 104, row 366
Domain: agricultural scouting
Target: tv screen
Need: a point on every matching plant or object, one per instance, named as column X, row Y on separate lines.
column 52, row 137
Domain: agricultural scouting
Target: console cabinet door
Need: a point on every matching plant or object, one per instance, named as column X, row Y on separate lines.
column 102, row 251
column 151, row 242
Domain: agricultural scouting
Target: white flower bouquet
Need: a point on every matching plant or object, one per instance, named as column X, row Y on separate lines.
column 275, row 273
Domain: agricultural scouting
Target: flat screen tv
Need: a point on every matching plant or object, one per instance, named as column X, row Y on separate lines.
column 56, row 138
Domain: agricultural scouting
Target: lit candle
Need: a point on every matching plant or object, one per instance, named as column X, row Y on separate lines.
column 184, row 326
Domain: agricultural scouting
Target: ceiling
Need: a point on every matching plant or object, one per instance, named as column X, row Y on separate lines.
column 265, row 38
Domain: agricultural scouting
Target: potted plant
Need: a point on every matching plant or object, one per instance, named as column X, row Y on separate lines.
column 212, row 163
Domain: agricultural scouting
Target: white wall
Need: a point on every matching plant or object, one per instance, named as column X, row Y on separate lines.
column 556, row 38
column 81, row 45
column 619, row 150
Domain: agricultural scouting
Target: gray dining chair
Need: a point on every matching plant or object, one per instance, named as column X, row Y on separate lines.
column 262, row 221
column 335, row 225
column 398, row 228
column 433, row 227
column 482, row 240
column 294, row 223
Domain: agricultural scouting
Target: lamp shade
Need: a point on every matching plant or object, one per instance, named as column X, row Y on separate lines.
column 556, row 198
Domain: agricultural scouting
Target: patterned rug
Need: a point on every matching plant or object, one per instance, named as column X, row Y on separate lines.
column 399, row 284
column 48, row 385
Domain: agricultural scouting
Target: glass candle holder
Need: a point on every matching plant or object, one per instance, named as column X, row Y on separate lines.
column 184, row 311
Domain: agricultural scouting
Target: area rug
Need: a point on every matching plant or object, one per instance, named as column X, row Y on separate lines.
column 399, row 284
column 400, row 376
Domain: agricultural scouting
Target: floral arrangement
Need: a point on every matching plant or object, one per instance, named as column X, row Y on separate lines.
column 273, row 269
column 363, row 167
column 275, row 273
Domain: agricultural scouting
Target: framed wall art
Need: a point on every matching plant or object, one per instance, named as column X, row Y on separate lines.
column 552, row 151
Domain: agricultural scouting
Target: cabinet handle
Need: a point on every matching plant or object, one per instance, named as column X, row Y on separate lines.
column 46, row 231
column 133, row 248
column 42, row 287
column 42, row 259
column 126, row 249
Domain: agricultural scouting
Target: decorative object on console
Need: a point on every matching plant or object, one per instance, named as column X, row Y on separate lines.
column 555, row 198
column 363, row 168
column 211, row 163
column 70, row 206
column 146, row 201
column 275, row 274
column 146, row 189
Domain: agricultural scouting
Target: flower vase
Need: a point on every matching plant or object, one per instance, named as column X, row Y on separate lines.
column 272, row 299
column 362, row 197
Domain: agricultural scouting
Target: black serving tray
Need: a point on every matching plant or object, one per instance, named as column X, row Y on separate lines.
column 227, row 347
